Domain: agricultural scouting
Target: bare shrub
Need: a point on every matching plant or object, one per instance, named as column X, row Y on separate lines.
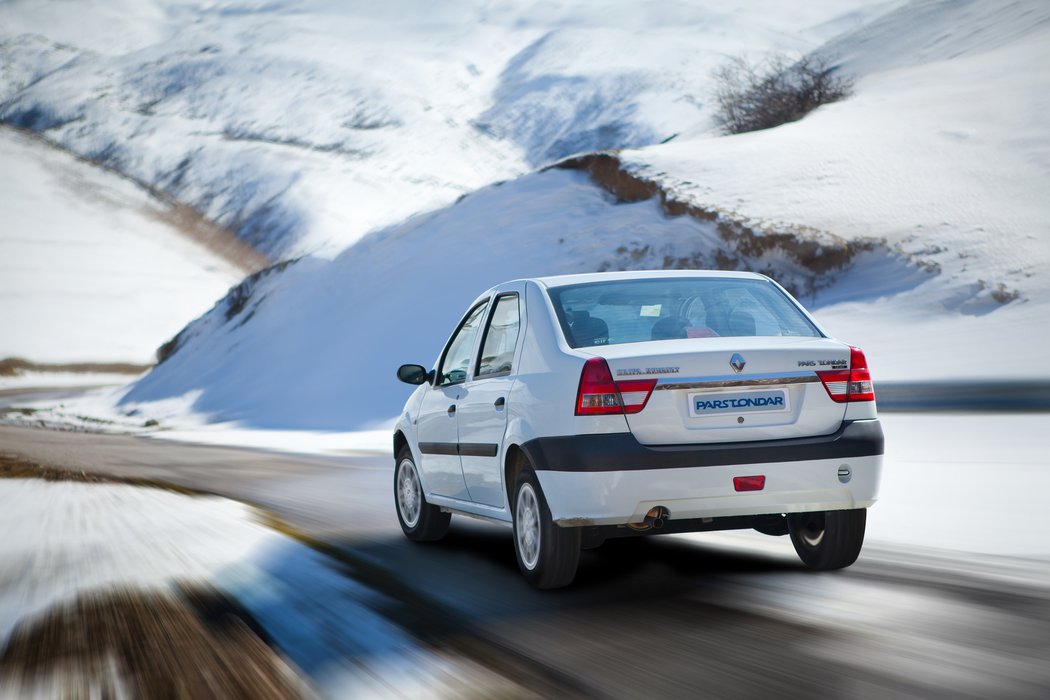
column 777, row 91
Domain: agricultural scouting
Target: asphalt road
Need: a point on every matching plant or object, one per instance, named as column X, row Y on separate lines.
column 694, row 616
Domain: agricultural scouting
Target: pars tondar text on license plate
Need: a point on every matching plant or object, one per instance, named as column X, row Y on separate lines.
column 742, row 402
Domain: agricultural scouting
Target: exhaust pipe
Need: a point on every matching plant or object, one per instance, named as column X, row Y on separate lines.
column 654, row 520
column 658, row 515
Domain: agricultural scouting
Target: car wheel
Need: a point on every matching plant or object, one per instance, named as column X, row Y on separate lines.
column 420, row 520
column 828, row 539
column 547, row 554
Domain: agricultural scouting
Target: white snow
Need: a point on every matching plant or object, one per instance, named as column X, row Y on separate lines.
column 62, row 539
column 967, row 482
column 40, row 380
column 944, row 152
column 91, row 270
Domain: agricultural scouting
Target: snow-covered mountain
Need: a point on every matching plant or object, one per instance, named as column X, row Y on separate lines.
column 304, row 125
column 912, row 216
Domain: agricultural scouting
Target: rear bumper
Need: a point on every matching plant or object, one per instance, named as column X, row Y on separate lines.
column 622, row 452
column 612, row 479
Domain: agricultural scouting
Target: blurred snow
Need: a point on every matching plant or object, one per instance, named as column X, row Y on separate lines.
column 92, row 269
column 66, row 538
column 41, row 380
column 969, row 482
column 62, row 538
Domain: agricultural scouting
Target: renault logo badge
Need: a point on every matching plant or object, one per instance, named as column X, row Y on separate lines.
column 737, row 362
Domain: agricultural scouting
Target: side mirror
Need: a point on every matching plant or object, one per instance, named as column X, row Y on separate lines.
column 413, row 374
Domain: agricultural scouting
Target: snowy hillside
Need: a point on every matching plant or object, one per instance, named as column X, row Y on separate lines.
column 304, row 125
column 944, row 154
column 327, row 335
column 912, row 217
column 92, row 269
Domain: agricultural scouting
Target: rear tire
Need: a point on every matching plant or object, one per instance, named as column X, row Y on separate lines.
column 547, row 555
column 420, row 521
column 826, row 540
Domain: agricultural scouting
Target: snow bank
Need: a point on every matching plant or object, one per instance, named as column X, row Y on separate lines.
column 92, row 269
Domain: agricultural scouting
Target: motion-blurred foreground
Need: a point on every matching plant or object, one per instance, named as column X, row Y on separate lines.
column 938, row 605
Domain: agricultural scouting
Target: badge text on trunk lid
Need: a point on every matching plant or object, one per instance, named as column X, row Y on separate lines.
column 737, row 362
column 632, row 371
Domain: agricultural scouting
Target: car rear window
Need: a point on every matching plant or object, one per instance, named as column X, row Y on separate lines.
column 631, row 311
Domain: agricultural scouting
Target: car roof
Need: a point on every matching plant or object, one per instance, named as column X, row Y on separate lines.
column 563, row 280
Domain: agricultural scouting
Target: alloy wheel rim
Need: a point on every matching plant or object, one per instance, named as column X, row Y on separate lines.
column 527, row 525
column 408, row 493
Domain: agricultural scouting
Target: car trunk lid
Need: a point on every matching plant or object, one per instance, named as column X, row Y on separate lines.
column 729, row 389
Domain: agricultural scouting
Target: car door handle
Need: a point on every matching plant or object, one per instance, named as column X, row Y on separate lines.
column 452, row 410
column 500, row 402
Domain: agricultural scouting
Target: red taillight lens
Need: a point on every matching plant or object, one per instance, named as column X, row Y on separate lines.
column 599, row 395
column 853, row 384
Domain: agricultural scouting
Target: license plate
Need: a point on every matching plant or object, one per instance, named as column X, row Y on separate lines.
column 771, row 401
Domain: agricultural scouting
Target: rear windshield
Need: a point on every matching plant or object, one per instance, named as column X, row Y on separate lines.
column 631, row 311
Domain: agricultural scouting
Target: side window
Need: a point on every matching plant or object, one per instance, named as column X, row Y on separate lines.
column 501, row 336
column 454, row 364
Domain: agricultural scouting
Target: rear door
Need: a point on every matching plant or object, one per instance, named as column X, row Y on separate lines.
column 483, row 405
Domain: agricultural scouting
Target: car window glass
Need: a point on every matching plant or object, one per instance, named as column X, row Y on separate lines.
column 501, row 337
column 629, row 311
column 457, row 358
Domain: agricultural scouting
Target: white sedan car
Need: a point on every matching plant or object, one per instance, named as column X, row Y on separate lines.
column 583, row 407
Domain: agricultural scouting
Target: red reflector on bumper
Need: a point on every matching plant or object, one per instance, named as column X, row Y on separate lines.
column 749, row 483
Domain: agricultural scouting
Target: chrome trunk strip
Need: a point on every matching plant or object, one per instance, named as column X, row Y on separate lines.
column 728, row 382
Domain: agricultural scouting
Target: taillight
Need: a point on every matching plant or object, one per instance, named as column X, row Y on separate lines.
column 599, row 395
column 635, row 393
column 853, row 384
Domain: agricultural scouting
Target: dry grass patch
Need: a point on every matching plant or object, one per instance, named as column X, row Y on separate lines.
column 133, row 643
column 15, row 467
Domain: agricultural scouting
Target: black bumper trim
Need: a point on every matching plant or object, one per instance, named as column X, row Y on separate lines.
column 622, row 452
